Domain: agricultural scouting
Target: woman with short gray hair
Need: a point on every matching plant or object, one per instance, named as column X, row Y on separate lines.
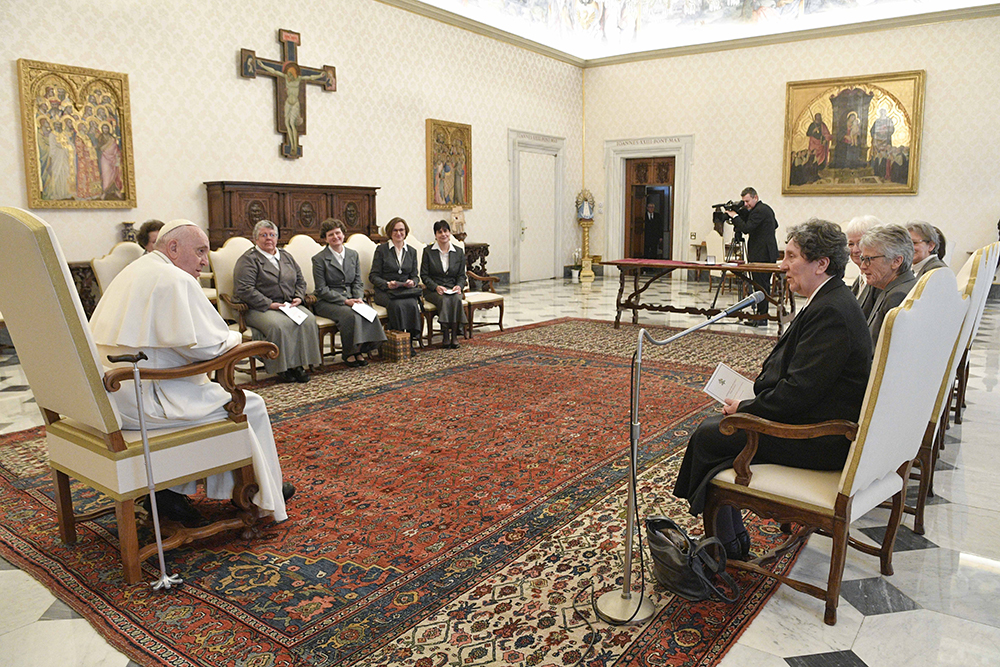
column 270, row 281
column 886, row 256
column 855, row 229
column 926, row 240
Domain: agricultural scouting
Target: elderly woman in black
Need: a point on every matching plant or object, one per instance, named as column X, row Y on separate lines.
column 886, row 259
column 339, row 285
column 396, row 280
column 442, row 271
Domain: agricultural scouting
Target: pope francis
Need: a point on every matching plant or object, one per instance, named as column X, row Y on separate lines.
column 157, row 305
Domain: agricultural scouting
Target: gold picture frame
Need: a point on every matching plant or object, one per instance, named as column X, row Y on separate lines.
column 449, row 165
column 855, row 135
column 77, row 133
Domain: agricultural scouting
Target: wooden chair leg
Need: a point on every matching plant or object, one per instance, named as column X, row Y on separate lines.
column 64, row 507
column 501, row 316
column 963, row 381
column 838, row 556
column 128, row 540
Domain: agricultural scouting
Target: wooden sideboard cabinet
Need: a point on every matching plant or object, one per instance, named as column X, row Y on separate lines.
column 234, row 207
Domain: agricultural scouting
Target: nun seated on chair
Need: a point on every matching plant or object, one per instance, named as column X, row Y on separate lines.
column 817, row 371
column 340, row 285
column 270, row 282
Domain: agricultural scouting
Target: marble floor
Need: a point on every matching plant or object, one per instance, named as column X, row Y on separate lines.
column 939, row 608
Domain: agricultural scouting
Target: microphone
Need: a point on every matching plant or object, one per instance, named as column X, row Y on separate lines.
column 756, row 297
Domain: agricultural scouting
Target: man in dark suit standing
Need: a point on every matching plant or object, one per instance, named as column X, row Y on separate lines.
column 756, row 220
column 652, row 233
column 817, row 371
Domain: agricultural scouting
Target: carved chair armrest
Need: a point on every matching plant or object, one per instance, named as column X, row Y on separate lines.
column 487, row 281
column 754, row 426
column 239, row 307
column 310, row 300
column 225, row 364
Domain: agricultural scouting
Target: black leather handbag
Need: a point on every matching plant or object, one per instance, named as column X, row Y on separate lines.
column 686, row 567
column 404, row 293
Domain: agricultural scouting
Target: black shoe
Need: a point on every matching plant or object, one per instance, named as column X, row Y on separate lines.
column 176, row 507
column 287, row 490
column 453, row 345
column 300, row 374
column 413, row 352
column 739, row 548
column 286, row 376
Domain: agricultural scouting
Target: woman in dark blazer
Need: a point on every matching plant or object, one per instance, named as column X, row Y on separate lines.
column 442, row 271
column 337, row 274
column 395, row 277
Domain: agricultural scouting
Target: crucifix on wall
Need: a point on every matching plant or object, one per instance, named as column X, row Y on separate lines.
column 289, row 91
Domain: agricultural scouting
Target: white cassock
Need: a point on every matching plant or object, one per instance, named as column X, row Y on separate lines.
column 157, row 308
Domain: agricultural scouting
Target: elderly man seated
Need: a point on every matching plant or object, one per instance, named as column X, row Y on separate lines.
column 818, row 370
column 157, row 306
column 270, row 282
column 926, row 240
column 886, row 256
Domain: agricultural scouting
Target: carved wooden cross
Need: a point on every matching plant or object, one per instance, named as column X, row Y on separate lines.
column 289, row 91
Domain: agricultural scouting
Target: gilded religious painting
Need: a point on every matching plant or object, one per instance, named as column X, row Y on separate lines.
column 449, row 165
column 77, row 130
column 854, row 136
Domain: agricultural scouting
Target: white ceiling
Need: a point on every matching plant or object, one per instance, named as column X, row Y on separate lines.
column 585, row 31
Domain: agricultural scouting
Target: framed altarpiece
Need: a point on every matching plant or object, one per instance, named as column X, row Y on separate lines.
column 77, row 135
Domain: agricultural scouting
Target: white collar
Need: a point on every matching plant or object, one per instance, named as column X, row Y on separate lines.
column 275, row 258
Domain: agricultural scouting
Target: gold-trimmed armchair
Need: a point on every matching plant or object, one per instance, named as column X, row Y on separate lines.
column 84, row 431
column 895, row 417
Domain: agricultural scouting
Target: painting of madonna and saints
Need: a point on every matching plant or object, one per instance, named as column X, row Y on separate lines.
column 449, row 165
column 77, row 137
column 858, row 135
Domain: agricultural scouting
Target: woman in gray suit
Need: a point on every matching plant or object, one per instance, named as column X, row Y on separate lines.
column 442, row 271
column 337, row 274
column 395, row 277
column 268, row 281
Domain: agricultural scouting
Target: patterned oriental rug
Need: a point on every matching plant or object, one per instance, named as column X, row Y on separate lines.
column 460, row 508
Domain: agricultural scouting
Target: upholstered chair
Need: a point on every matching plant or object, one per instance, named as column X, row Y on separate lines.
column 303, row 247
column 896, row 414
column 109, row 266
column 84, row 434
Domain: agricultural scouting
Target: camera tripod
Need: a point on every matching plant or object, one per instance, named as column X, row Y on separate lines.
column 737, row 250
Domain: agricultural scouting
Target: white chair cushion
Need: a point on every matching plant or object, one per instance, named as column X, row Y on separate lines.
column 479, row 298
column 817, row 488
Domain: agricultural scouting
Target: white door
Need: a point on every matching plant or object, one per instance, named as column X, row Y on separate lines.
column 536, row 242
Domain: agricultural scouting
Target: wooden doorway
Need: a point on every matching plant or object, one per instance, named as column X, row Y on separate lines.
column 649, row 208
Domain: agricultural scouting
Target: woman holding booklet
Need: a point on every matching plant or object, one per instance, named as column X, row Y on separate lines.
column 339, row 286
column 818, row 370
column 442, row 270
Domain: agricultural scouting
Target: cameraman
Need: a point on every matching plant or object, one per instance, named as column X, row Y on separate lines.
column 756, row 220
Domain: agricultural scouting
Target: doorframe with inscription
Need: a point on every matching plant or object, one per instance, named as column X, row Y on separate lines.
column 532, row 142
column 616, row 152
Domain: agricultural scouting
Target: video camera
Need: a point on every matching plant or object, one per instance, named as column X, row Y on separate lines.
column 731, row 205
column 719, row 216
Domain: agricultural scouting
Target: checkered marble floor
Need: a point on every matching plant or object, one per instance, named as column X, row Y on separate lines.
column 939, row 608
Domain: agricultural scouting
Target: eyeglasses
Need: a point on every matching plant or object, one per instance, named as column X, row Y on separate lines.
column 916, row 241
column 867, row 259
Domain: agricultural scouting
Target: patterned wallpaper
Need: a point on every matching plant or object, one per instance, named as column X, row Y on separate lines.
column 733, row 103
column 195, row 120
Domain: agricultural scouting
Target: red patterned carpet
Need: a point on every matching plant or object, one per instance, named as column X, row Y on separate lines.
column 460, row 508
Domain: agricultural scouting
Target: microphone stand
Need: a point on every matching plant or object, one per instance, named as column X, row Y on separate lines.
column 623, row 606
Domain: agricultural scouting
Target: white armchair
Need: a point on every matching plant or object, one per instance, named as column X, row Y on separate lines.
column 894, row 419
column 109, row 266
column 303, row 247
column 84, row 431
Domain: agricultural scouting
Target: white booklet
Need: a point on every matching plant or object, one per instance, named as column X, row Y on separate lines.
column 365, row 311
column 294, row 314
column 727, row 383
